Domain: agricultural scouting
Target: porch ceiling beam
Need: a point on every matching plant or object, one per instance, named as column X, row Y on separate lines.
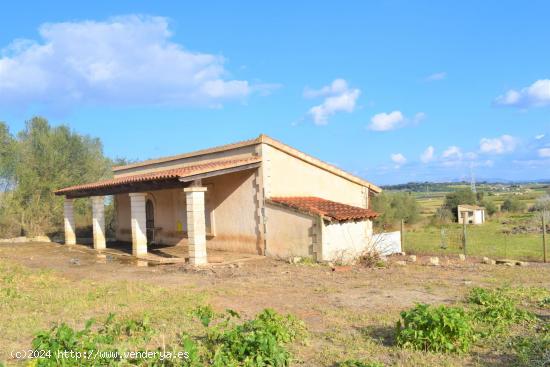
column 220, row 172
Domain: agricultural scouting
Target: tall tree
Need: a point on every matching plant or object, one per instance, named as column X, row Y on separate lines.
column 48, row 158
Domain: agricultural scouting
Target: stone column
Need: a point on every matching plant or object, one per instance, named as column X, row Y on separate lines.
column 196, row 225
column 98, row 222
column 139, row 231
column 70, row 236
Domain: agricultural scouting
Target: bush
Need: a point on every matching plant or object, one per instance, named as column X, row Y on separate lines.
column 489, row 206
column 459, row 197
column 442, row 216
column 436, row 329
column 394, row 207
column 495, row 308
column 258, row 342
column 513, row 204
column 262, row 341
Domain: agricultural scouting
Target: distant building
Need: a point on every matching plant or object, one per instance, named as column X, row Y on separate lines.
column 472, row 214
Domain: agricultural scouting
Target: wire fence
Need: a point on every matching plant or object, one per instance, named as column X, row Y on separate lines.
column 493, row 240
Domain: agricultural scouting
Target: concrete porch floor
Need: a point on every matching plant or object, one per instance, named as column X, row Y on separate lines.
column 168, row 254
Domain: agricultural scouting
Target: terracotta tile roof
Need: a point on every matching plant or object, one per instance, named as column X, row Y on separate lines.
column 175, row 173
column 331, row 210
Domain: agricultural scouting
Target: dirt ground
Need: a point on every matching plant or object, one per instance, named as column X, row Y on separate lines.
column 338, row 306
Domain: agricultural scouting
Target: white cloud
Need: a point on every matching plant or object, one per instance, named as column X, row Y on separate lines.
column 500, row 145
column 419, row 117
column 386, row 121
column 540, row 136
column 339, row 98
column 338, row 86
column 452, row 152
column 399, row 159
column 535, row 95
column 123, row 60
column 428, row 155
column 436, row 76
column 394, row 120
column 544, row 152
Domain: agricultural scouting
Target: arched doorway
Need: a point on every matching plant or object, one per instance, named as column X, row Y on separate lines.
column 150, row 220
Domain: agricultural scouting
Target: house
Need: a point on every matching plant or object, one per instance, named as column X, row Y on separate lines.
column 471, row 214
column 258, row 196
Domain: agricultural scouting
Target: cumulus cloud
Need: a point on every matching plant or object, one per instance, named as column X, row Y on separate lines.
column 500, row 145
column 386, row 121
column 123, row 60
column 393, row 120
column 535, row 95
column 338, row 98
column 452, row 152
column 399, row 159
column 436, row 76
column 428, row 155
column 544, row 152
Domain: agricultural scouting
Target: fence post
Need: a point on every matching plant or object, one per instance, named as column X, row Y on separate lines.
column 464, row 241
column 402, row 230
column 543, row 237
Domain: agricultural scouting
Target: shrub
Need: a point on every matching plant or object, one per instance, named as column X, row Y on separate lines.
column 437, row 329
column 495, row 308
column 393, row 207
column 258, row 342
column 489, row 206
column 459, row 197
column 513, row 204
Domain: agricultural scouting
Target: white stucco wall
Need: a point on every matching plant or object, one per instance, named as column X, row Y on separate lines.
column 345, row 241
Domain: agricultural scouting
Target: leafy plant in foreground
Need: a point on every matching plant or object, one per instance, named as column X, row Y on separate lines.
column 495, row 308
column 436, row 329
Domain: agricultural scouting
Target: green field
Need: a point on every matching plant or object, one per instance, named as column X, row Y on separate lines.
column 496, row 238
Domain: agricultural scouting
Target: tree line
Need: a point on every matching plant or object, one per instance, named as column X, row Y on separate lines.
column 33, row 164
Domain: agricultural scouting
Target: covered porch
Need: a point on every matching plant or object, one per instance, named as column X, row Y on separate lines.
column 164, row 208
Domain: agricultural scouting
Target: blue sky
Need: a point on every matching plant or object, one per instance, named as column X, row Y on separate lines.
column 393, row 91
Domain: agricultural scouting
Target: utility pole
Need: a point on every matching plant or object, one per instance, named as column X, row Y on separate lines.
column 543, row 236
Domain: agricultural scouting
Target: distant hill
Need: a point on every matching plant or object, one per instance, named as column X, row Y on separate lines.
column 451, row 186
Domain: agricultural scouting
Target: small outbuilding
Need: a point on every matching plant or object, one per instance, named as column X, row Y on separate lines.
column 471, row 214
column 258, row 196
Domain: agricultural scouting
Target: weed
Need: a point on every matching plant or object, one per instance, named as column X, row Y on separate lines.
column 437, row 329
column 496, row 309
column 533, row 351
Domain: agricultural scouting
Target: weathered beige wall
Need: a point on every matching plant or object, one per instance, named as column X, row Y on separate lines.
column 291, row 233
column 345, row 241
column 238, row 153
column 289, row 176
column 230, row 212
column 235, row 207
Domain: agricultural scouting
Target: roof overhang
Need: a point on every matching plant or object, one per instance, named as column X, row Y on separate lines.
column 160, row 180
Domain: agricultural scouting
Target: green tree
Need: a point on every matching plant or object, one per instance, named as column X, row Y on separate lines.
column 513, row 204
column 489, row 206
column 47, row 158
column 459, row 197
column 395, row 206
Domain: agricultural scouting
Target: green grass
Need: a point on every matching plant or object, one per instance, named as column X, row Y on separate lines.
column 482, row 240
